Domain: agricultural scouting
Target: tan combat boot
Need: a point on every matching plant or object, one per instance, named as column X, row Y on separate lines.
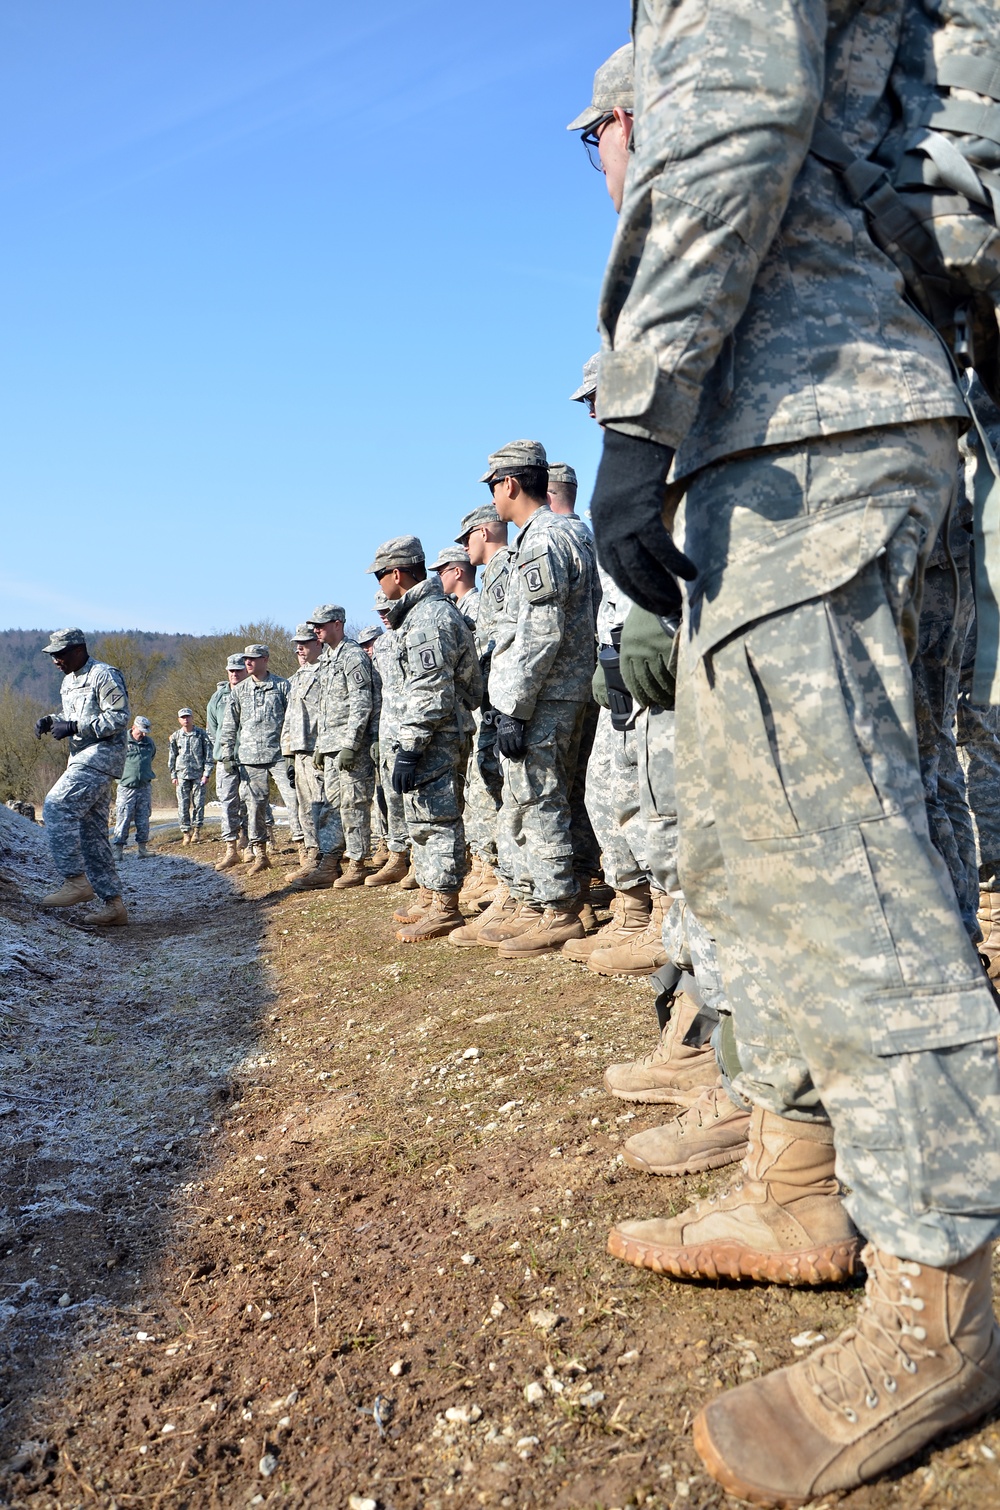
column 784, row 1221
column 381, row 855
column 989, row 922
column 482, row 894
column 260, row 860
column 144, row 851
column 353, row 875
column 111, row 915
column 308, row 861
column 673, row 1073
column 471, row 882
column 629, row 918
column 409, row 881
column 118, row 850
column 502, row 908
column 408, row 912
column 196, row 836
column 643, row 953
column 922, row 1358
column 185, row 840
column 305, row 854
column 440, row 918
column 710, row 1133
column 508, row 925
column 74, row 889
column 392, row 872
column 324, row 873
column 556, row 926
column 229, row 859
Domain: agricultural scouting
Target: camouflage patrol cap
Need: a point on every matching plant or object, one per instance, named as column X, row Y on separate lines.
column 235, row 663
column 304, row 634
column 614, row 89
column 485, row 514
column 588, row 387
column 514, row 457
column 143, row 724
column 402, row 552
column 452, row 555
column 185, row 713
column 328, row 613
column 62, row 639
column 254, row 652
column 561, row 471
column 369, row 633
column 382, row 603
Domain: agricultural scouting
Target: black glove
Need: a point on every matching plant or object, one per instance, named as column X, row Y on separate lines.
column 627, row 514
column 649, row 658
column 290, row 771
column 404, row 771
column 62, row 728
column 43, row 725
column 510, row 736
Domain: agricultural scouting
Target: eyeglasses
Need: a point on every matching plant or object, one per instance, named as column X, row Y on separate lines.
column 592, row 138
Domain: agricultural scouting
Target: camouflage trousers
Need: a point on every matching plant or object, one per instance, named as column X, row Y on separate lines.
column 312, row 807
column 133, row 804
column 433, row 813
column 482, row 790
column 190, row 803
column 979, row 753
column 396, row 837
column 654, row 738
column 76, row 824
column 350, row 793
column 535, row 839
column 255, row 792
column 234, row 812
column 586, row 848
column 805, row 845
column 613, row 804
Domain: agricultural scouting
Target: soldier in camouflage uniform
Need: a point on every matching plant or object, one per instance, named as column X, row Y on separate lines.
column 458, row 579
column 227, row 784
column 252, row 721
column 380, row 855
column 134, row 799
column 540, row 685
column 388, row 671
column 343, row 741
column 190, row 761
column 760, row 351
column 298, row 743
column 441, row 683
column 95, row 719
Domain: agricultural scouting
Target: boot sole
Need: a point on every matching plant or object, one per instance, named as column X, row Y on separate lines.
column 529, row 953
column 637, row 971
column 465, row 943
column 832, row 1263
column 374, row 881
column 662, row 1095
column 714, row 1159
column 348, row 885
column 441, row 932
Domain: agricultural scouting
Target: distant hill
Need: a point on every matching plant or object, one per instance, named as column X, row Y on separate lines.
column 23, row 667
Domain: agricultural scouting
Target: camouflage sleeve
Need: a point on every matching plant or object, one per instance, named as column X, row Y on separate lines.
column 229, row 732
column 429, row 686
column 212, row 716
column 358, row 677
column 172, row 754
column 726, row 98
column 207, row 757
column 112, row 706
column 538, row 633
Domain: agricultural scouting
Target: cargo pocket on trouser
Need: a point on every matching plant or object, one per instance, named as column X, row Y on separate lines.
column 437, row 833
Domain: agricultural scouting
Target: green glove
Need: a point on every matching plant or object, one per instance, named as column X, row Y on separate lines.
column 599, row 687
column 318, row 760
column 373, row 752
column 346, row 759
column 649, row 658
column 229, row 766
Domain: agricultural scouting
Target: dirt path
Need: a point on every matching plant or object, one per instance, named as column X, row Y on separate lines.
column 373, row 1265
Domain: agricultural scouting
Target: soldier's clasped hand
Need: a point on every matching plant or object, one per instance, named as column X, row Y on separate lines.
column 43, row 725
column 404, row 771
column 627, row 514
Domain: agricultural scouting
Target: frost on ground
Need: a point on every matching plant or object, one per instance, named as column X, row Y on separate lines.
column 116, row 1051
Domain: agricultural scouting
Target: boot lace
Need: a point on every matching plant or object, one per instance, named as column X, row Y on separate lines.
column 847, row 1375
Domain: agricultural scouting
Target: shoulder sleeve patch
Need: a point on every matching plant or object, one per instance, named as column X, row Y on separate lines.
column 536, row 575
column 359, row 677
column 427, row 658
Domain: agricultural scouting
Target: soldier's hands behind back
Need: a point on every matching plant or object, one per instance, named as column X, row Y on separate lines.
column 318, row 760
column 404, row 771
column 346, row 760
column 229, row 766
column 62, row 728
column 510, row 736
column 648, row 658
column 627, row 514
column 43, row 725
column 373, row 752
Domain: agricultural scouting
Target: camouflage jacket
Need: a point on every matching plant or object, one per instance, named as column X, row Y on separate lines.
column 613, row 609
column 345, row 698
column 252, row 722
column 190, row 754
column 492, row 595
column 545, row 640
column 439, row 670
column 375, row 723
column 468, row 606
column 386, row 666
column 95, row 698
column 744, row 304
column 305, row 690
column 214, row 715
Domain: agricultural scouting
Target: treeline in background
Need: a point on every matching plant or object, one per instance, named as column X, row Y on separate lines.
column 162, row 673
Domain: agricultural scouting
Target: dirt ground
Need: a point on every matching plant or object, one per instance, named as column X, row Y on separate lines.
column 297, row 1215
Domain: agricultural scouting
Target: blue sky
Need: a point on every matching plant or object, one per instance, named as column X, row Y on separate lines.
column 274, row 280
